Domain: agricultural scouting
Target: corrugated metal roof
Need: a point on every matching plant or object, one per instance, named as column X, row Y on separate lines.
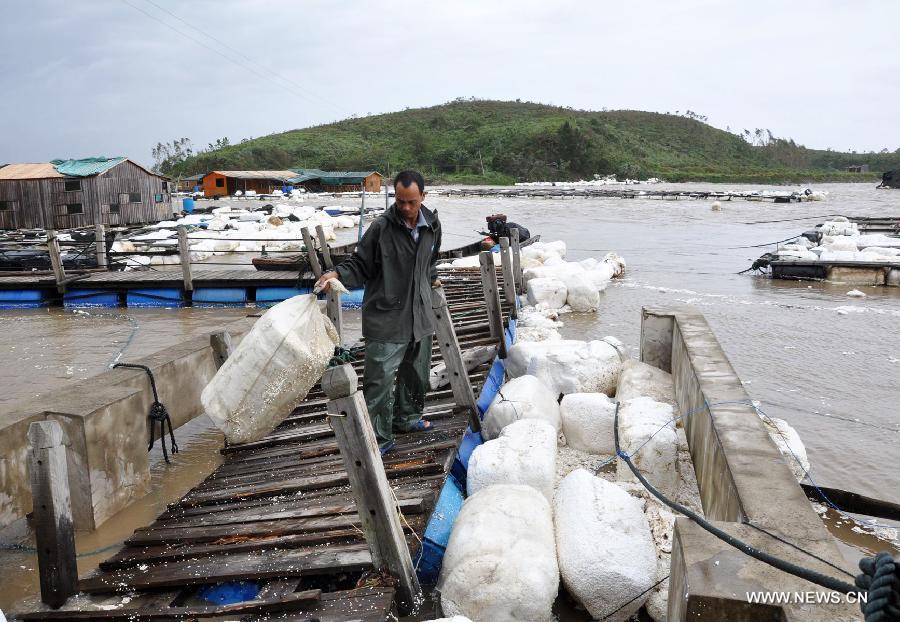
column 40, row 170
column 280, row 175
column 85, row 167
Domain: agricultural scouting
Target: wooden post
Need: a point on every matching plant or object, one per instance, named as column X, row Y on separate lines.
column 334, row 312
column 311, row 253
column 509, row 281
column 492, row 300
column 53, row 529
column 184, row 251
column 517, row 260
column 59, row 272
column 100, row 244
column 326, row 252
column 375, row 501
column 445, row 334
column 221, row 346
column 362, row 212
column 387, row 199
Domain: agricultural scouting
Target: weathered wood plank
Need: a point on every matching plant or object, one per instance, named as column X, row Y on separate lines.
column 288, row 602
column 274, row 564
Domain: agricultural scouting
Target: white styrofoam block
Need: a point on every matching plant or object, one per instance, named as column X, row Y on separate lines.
column 524, row 453
column 587, row 422
column 604, row 545
column 568, row 366
column 639, row 379
column 789, row 444
column 500, row 563
column 525, row 397
column 548, row 291
column 581, row 294
column 647, row 434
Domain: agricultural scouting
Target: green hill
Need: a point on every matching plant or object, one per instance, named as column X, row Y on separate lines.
column 472, row 141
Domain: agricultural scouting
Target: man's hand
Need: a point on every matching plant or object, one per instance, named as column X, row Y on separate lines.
column 436, row 283
column 322, row 285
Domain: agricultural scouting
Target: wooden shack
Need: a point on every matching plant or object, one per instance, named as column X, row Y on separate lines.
column 315, row 180
column 227, row 183
column 64, row 194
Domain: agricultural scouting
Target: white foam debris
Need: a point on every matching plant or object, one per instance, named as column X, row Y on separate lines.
column 855, row 293
column 524, row 453
column 647, row 434
column 500, row 563
column 587, row 422
column 789, row 444
column 550, row 292
column 525, row 397
column 604, row 546
column 568, row 366
column 581, row 294
column 639, row 379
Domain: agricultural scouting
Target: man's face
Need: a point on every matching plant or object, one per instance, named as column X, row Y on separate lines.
column 409, row 200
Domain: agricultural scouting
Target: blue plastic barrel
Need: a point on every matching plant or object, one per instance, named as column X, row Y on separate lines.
column 187, row 204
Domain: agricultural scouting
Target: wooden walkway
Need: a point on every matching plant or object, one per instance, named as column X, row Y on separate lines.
column 157, row 278
column 279, row 512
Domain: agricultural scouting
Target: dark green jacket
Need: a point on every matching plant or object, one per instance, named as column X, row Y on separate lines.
column 397, row 273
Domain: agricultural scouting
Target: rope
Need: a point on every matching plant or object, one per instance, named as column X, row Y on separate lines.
column 881, row 579
column 158, row 413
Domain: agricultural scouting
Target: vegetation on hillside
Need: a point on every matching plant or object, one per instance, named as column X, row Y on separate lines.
column 480, row 141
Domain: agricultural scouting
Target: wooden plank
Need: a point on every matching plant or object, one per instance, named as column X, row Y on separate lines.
column 184, row 252
column 492, row 300
column 509, row 284
column 323, row 243
column 53, row 527
column 518, row 274
column 376, row 508
column 451, row 353
column 274, row 564
column 311, row 252
column 288, row 602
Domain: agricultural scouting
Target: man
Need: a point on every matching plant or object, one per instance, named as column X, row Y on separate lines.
column 499, row 228
column 396, row 260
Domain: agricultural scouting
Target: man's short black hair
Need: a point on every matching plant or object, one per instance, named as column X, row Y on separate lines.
column 407, row 178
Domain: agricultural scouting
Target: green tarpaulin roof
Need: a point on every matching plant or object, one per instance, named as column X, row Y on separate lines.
column 329, row 178
column 85, row 167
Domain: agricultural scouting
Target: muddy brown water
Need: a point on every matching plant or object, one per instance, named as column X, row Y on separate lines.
column 827, row 363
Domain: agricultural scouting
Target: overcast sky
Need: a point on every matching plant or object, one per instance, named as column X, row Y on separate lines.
column 114, row 77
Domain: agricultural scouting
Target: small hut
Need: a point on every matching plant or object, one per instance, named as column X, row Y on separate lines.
column 227, row 183
column 65, row 194
column 315, row 180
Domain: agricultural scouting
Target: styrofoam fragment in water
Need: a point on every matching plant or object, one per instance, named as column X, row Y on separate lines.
column 500, row 563
column 453, row 619
column 587, row 422
column 547, row 291
column 647, row 434
column 604, row 545
column 524, row 453
column 568, row 366
column 556, row 270
column 525, row 397
column 789, row 444
column 582, row 295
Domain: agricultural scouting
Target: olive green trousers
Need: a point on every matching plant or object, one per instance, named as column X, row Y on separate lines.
column 395, row 380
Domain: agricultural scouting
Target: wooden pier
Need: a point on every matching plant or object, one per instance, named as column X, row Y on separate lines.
column 639, row 192
column 279, row 513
